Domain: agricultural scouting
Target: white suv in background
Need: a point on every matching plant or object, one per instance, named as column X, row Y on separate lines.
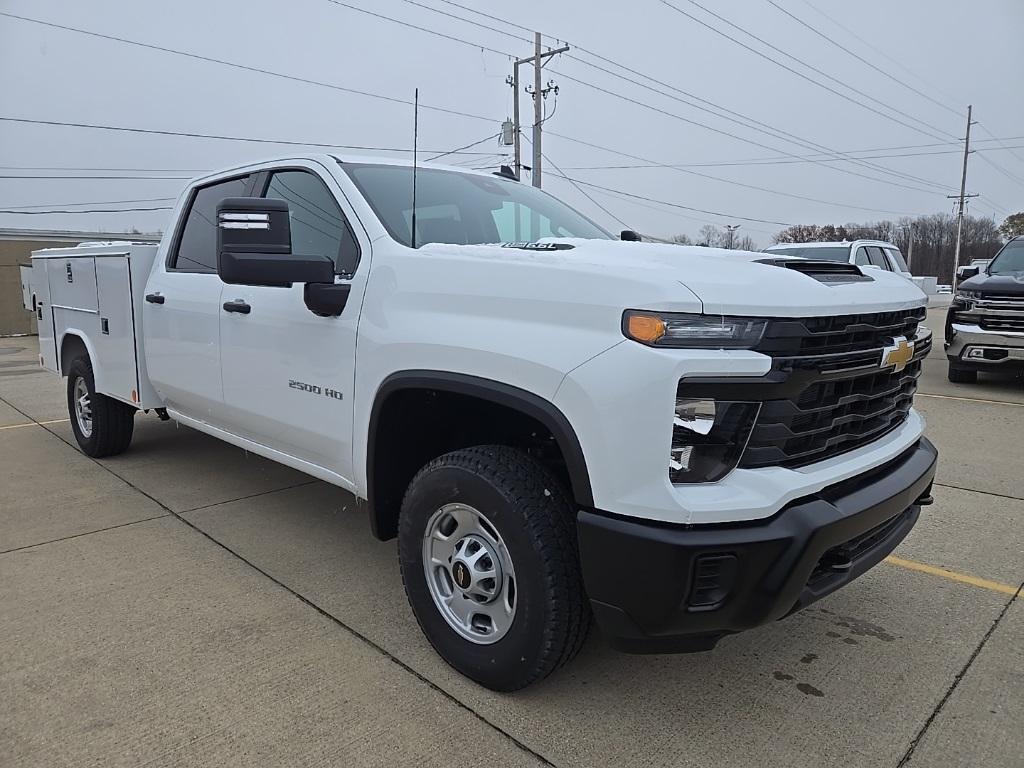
column 863, row 253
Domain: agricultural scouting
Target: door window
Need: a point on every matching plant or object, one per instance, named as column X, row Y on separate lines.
column 196, row 250
column 861, row 259
column 317, row 223
column 898, row 264
column 877, row 257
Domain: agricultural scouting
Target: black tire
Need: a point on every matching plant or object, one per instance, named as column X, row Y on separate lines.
column 960, row 375
column 112, row 421
column 536, row 520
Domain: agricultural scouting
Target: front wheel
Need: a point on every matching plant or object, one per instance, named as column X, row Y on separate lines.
column 102, row 426
column 487, row 549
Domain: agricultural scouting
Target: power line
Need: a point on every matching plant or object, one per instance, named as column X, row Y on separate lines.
column 676, row 205
column 781, row 160
column 410, row 25
column 1000, row 142
column 771, row 130
column 258, row 70
column 110, row 170
column 220, row 137
column 94, row 202
column 754, row 142
column 860, row 58
column 585, row 193
column 808, row 66
column 88, row 177
column 467, row 146
column 806, row 144
column 656, row 164
column 877, row 50
column 90, row 210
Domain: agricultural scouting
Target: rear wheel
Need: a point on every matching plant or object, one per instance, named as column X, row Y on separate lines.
column 487, row 549
column 102, row 426
column 960, row 375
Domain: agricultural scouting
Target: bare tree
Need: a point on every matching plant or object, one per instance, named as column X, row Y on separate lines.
column 681, row 240
column 710, row 236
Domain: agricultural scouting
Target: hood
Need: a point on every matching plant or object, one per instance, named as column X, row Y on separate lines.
column 725, row 281
column 1011, row 284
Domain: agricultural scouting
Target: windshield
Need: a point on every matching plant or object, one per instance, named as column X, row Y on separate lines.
column 464, row 208
column 827, row 253
column 1009, row 259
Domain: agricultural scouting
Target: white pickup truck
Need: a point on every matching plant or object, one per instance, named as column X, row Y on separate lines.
column 679, row 443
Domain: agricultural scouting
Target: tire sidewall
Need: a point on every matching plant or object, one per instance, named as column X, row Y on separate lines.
column 496, row 664
column 80, row 368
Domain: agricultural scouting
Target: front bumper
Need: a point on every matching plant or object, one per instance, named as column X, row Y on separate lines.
column 1001, row 350
column 661, row 588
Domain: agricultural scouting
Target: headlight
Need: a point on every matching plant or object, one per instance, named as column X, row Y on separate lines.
column 967, row 296
column 675, row 329
column 708, row 438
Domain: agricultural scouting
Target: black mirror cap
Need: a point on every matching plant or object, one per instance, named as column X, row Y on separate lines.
column 966, row 273
column 631, row 236
column 253, row 225
column 273, row 269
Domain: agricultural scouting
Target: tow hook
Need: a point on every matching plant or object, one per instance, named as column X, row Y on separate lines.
column 162, row 413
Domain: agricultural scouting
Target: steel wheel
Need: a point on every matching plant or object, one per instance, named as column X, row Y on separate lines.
column 469, row 573
column 83, row 407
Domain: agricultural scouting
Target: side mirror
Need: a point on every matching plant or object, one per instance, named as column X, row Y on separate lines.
column 254, row 246
column 631, row 236
column 965, row 273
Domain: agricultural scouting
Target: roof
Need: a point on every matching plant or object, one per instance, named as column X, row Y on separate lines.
column 832, row 244
column 72, row 236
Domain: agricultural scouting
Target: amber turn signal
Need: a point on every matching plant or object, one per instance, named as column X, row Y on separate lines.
column 645, row 328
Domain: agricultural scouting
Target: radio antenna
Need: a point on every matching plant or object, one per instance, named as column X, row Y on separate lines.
column 415, row 142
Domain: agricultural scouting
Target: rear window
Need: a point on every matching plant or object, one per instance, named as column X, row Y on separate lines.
column 197, row 246
column 827, row 253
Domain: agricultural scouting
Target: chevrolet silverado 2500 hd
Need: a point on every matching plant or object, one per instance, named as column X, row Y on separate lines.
column 558, row 427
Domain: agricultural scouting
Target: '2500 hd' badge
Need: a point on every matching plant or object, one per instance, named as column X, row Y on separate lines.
column 898, row 354
column 315, row 389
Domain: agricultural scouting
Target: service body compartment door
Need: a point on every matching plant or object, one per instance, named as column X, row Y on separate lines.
column 73, row 282
column 115, row 342
column 44, row 315
column 26, row 286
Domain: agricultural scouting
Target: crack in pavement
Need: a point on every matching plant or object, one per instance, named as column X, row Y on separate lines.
column 956, row 681
column 80, row 535
column 302, row 598
column 975, row 490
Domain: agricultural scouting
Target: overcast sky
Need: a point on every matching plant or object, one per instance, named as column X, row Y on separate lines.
column 952, row 53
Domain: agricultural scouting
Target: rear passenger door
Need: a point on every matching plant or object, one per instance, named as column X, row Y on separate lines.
column 181, row 314
column 288, row 374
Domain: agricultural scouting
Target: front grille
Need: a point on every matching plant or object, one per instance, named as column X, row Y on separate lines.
column 835, row 402
column 1002, row 323
column 841, row 333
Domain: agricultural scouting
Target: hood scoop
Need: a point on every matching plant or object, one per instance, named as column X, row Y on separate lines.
column 828, row 272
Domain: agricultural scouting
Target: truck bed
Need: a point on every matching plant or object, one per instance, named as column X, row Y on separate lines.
column 95, row 291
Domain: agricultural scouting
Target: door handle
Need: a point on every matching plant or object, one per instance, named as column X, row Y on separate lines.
column 154, row 298
column 238, row 306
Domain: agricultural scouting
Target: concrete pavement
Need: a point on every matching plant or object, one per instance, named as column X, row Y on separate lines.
column 188, row 604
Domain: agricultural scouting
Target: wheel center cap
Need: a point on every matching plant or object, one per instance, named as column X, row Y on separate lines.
column 475, row 569
column 461, row 575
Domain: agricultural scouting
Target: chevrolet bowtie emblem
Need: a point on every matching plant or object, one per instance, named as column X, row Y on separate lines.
column 898, row 354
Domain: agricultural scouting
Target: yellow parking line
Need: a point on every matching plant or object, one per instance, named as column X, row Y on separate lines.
column 971, row 399
column 36, row 423
column 963, row 578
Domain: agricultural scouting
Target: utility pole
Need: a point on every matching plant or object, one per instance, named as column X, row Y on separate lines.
column 731, row 229
column 538, row 92
column 962, row 199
